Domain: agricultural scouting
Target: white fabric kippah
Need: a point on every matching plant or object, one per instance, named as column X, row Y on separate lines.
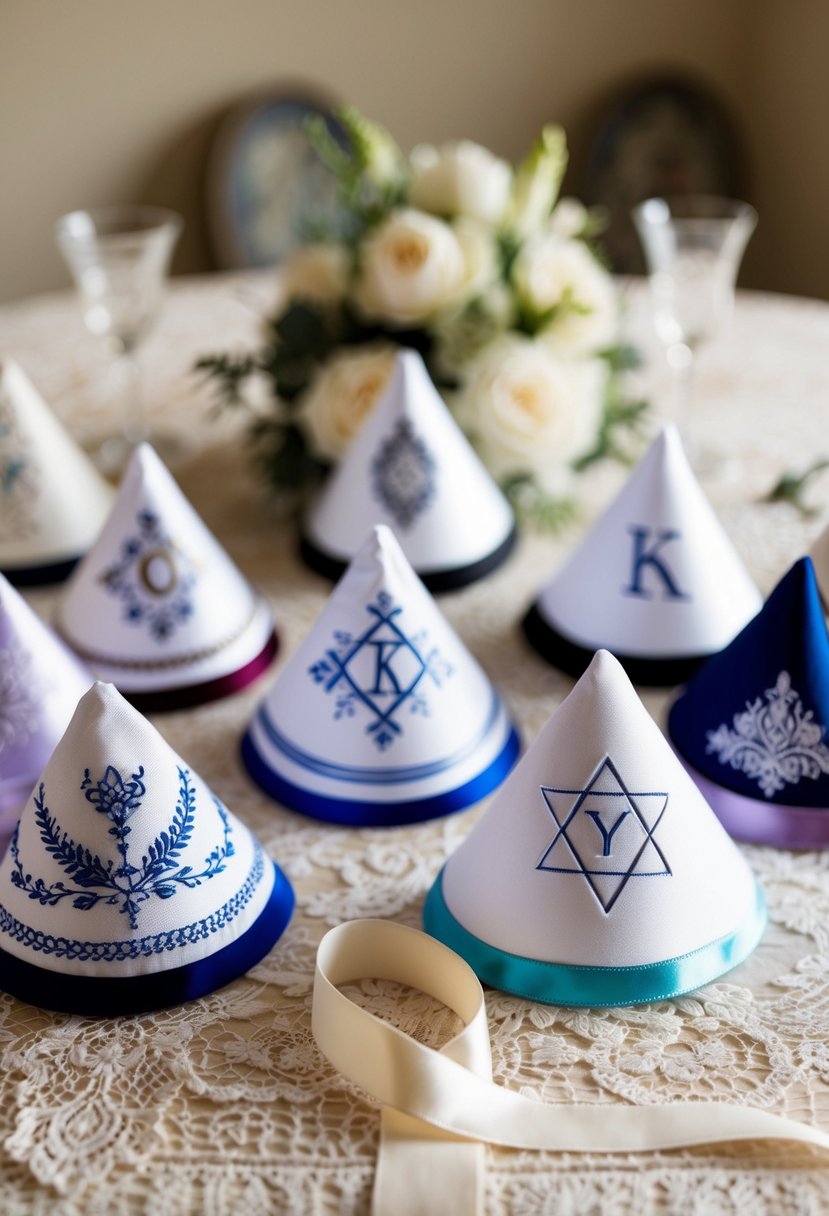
column 53, row 500
column 412, row 468
column 656, row 580
column 599, row 875
column 381, row 716
column 157, row 607
column 127, row 884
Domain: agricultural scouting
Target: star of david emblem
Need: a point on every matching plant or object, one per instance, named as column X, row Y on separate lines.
column 382, row 670
column 606, row 833
column 403, row 474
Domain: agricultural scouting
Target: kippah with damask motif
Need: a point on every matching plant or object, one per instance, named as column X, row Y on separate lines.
column 53, row 500
column 382, row 716
column 157, row 607
column 598, row 875
column 751, row 725
column 656, row 580
column 128, row 885
column 412, row 468
column 41, row 682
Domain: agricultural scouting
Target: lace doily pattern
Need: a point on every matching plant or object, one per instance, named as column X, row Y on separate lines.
column 224, row 1105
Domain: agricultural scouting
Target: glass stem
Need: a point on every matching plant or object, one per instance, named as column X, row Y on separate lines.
column 681, row 360
column 134, row 426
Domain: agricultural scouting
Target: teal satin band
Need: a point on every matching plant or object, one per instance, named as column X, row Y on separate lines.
column 564, row 984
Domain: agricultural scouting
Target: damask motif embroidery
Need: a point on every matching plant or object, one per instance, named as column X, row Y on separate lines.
column 19, row 481
column 403, row 474
column 382, row 670
column 117, row 881
column 20, row 698
column 153, row 577
column 606, row 833
column 776, row 743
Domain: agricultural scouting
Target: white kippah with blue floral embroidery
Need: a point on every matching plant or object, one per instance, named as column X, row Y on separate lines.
column 53, row 501
column 157, row 604
column 382, row 716
column 598, row 875
column 411, row 468
column 128, row 884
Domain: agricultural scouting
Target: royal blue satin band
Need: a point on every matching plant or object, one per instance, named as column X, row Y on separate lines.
column 362, row 813
column 567, row 984
column 104, row 996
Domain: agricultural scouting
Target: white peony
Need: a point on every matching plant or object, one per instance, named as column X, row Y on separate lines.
column 411, row 267
column 529, row 411
column 343, row 395
column 460, row 179
column 560, row 277
column 317, row 273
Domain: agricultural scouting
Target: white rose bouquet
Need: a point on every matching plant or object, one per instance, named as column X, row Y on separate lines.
column 484, row 271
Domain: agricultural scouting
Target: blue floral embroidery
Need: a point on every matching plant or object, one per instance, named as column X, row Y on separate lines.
column 154, row 579
column 18, row 477
column 138, row 947
column 120, row 883
column 383, row 669
column 403, row 473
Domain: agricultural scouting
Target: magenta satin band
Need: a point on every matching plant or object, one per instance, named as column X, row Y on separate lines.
column 160, row 700
column 761, row 822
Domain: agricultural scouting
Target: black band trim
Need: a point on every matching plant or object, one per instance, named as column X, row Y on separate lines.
column 40, row 576
column 324, row 563
column 574, row 659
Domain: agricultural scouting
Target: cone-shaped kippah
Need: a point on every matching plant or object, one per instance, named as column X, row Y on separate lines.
column 819, row 554
column 412, row 468
column 382, row 716
column 752, row 723
column 41, row 682
column 127, row 885
column 53, row 501
column 157, row 607
column 656, row 581
column 599, row 875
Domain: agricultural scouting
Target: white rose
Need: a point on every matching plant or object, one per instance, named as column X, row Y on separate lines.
column 529, row 411
column 558, row 276
column 412, row 265
column 317, row 273
column 460, row 179
column 342, row 396
column 569, row 218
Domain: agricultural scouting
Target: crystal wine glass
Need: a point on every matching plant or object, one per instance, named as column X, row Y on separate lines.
column 119, row 258
column 693, row 248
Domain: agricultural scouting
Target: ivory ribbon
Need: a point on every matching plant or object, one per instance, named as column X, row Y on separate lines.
column 441, row 1107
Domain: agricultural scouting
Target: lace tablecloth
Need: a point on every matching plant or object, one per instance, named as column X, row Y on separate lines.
column 225, row 1105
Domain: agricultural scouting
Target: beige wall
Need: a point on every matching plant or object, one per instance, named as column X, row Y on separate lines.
column 108, row 101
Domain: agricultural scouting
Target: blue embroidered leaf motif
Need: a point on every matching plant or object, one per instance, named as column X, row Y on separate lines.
column 122, row 883
column 382, row 671
column 153, row 577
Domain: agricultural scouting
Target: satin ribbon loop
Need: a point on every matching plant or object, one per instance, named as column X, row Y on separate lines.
column 451, row 1090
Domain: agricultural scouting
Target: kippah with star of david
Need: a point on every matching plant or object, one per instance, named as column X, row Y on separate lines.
column 598, row 875
column 412, row 468
column 128, row 885
column 41, row 682
column 656, row 580
column 751, row 725
column 53, row 500
column 157, row 607
column 382, row 716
